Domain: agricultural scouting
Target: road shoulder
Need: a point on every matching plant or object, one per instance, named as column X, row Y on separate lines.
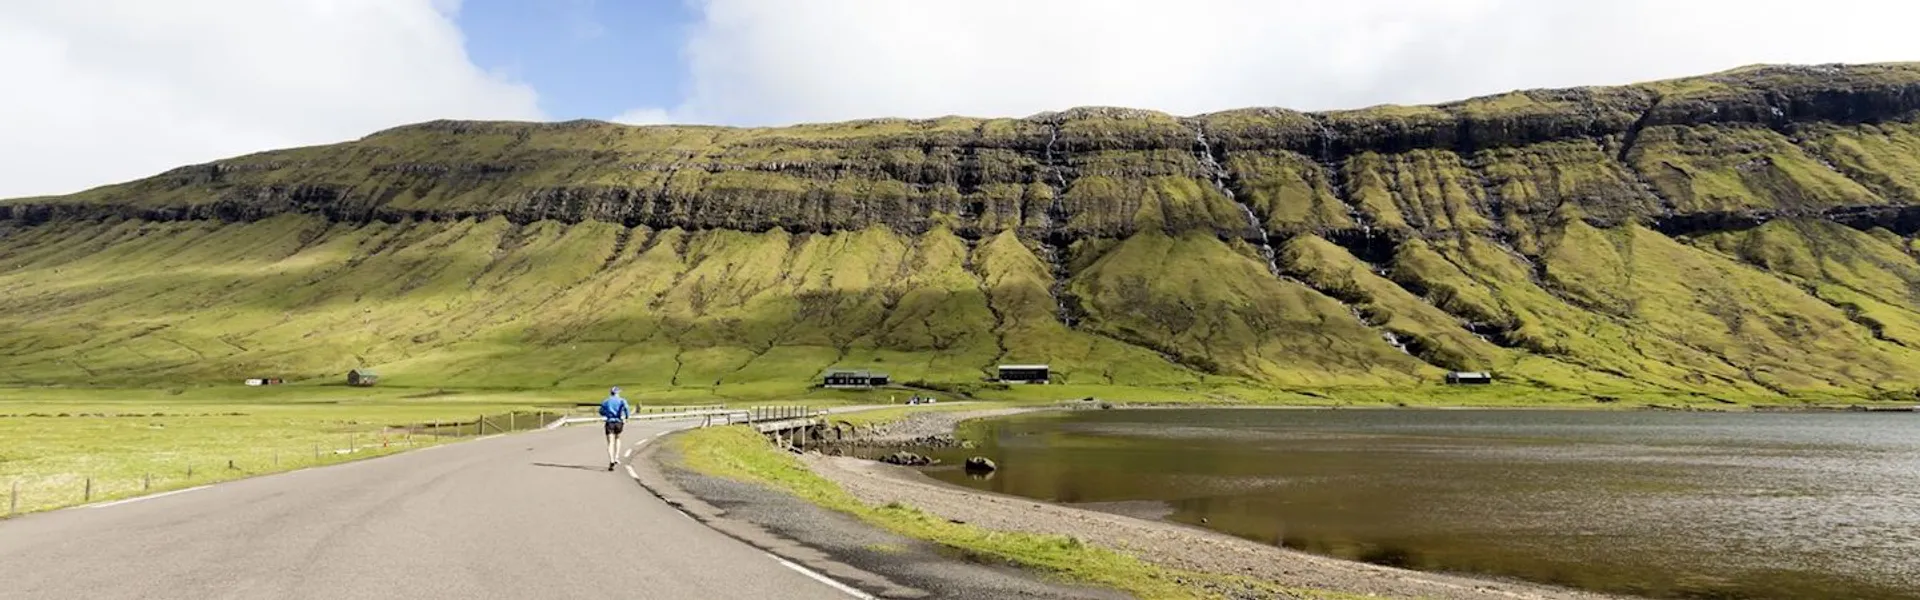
column 837, row 545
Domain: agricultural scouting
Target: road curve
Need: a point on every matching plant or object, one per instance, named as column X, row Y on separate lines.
column 532, row 515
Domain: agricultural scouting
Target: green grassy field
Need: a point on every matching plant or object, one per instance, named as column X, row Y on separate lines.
column 125, row 442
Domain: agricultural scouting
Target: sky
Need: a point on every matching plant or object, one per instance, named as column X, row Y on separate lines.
column 104, row 91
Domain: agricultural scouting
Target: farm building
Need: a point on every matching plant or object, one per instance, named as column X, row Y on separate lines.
column 1469, row 378
column 362, row 377
column 845, row 378
column 1024, row 373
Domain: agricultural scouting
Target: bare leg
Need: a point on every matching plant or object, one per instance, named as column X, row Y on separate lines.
column 613, row 449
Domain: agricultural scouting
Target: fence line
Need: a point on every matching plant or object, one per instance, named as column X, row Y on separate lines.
column 29, row 492
column 72, row 489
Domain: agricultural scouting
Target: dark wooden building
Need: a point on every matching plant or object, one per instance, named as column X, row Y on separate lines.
column 362, row 378
column 847, row 378
column 1025, row 374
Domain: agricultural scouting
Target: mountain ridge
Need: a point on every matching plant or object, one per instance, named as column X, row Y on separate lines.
column 1774, row 96
column 1742, row 234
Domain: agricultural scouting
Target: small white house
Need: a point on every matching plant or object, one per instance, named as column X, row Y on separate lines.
column 1469, row 378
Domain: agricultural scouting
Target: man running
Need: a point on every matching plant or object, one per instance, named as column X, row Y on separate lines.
column 614, row 409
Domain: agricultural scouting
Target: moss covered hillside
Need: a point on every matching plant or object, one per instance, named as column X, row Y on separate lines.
column 1742, row 235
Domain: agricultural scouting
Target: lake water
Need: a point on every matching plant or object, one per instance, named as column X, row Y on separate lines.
column 1672, row 505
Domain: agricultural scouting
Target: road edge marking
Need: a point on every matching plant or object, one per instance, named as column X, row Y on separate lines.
column 817, row 576
column 147, row 497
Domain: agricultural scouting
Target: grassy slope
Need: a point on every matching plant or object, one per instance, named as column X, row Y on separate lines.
column 1804, row 308
column 491, row 304
column 911, row 246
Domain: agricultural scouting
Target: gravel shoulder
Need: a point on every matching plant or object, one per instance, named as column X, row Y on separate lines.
column 1167, row 544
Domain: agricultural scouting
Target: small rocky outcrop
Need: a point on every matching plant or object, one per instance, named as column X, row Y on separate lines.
column 906, row 459
column 981, row 464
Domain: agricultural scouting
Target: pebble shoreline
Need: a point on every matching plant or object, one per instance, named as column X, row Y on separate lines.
column 1163, row 543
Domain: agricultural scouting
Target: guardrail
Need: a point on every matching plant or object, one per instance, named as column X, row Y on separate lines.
column 779, row 413
column 652, row 413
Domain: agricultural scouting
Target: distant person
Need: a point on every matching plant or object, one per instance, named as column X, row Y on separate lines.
column 615, row 410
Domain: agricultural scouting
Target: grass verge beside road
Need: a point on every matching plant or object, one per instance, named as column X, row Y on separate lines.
column 739, row 453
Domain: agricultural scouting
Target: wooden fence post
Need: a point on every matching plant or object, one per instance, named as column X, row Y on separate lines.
column 480, row 425
column 88, row 495
column 352, row 442
column 316, row 452
column 13, row 499
column 189, row 470
column 513, row 421
column 146, row 482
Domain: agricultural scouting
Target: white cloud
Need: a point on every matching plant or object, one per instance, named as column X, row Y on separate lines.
column 644, row 116
column 108, row 90
column 768, row 62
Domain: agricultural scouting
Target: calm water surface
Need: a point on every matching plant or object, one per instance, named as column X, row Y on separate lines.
column 1674, row 505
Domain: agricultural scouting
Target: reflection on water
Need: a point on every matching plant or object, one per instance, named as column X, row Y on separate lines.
column 1661, row 504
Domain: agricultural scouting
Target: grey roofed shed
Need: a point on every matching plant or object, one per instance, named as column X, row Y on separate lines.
column 853, row 378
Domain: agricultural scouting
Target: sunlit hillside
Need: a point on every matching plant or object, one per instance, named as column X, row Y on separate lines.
column 1741, row 235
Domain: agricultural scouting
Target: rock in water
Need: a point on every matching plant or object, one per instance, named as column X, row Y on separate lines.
column 906, row 459
column 981, row 464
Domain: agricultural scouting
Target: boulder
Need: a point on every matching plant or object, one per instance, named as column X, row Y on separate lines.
column 981, row 464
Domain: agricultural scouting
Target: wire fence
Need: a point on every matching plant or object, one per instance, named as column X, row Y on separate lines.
column 37, row 492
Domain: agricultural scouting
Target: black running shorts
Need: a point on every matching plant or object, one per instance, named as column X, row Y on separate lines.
column 616, row 427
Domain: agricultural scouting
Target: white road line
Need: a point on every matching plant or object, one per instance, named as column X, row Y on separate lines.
column 632, row 474
column 147, row 497
column 849, row 590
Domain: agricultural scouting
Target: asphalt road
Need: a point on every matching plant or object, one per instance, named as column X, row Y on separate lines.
column 532, row 515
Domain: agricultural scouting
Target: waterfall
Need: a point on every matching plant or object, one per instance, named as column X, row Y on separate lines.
column 1332, row 168
column 1218, row 174
column 1394, row 340
column 1050, row 250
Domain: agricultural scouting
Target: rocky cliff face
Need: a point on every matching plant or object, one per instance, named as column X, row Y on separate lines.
column 1537, row 232
column 1757, row 141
